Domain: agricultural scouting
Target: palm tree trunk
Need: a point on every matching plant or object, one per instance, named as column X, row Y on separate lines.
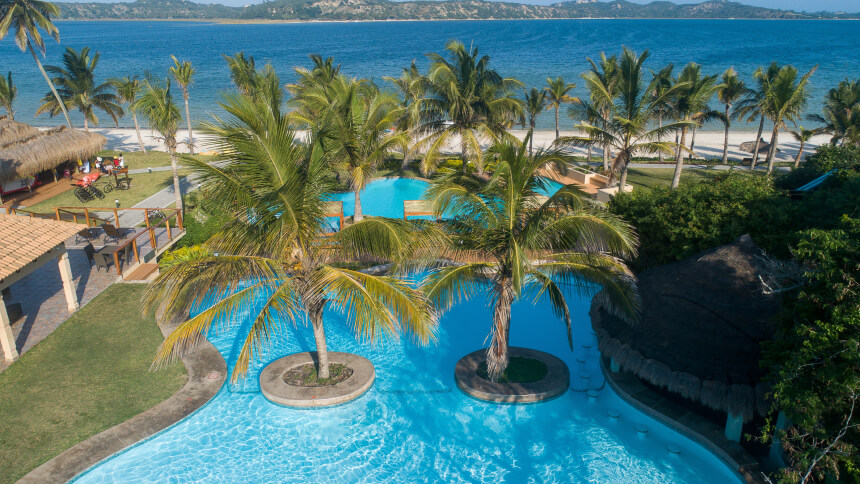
column 315, row 312
column 86, row 123
column 692, row 144
column 137, row 130
column 679, row 160
column 771, row 152
column 463, row 155
column 605, row 149
column 799, row 155
column 497, row 353
column 660, row 137
column 51, row 84
column 358, row 215
column 726, row 138
column 556, row 122
column 757, row 141
column 532, row 139
column 190, row 133
column 590, row 149
column 406, row 160
column 623, row 182
column 176, row 189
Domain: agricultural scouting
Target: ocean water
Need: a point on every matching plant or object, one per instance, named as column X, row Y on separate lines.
column 530, row 50
column 414, row 424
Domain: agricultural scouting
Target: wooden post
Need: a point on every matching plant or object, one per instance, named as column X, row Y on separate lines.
column 179, row 220
column 57, row 212
column 134, row 247
column 151, row 238
column 116, row 217
column 116, row 261
column 146, row 216
column 167, row 224
column 87, row 217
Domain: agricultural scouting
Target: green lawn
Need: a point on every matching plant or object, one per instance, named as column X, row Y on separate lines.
column 87, row 376
column 653, row 177
column 143, row 185
column 136, row 159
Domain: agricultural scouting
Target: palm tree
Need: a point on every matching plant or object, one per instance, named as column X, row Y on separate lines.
column 732, row 89
column 534, row 103
column 127, row 89
column 601, row 81
column 626, row 124
column 157, row 106
column 802, row 136
column 78, row 89
column 691, row 97
column 242, row 71
column 663, row 82
column 353, row 128
column 411, row 87
column 25, row 18
column 557, row 94
column 841, row 116
column 526, row 244
column 784, row 100
column 280, row 255
column 8, row 93
column 751, row 106
column 467, row 100
column 264, row 87
column 183, row 73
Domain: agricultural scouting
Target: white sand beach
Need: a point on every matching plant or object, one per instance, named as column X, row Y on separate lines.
column 709, row 144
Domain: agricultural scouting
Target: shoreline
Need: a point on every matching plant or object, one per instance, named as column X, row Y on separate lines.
column 326, row 21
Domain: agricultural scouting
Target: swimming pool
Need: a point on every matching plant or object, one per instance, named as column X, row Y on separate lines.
column 415, row 425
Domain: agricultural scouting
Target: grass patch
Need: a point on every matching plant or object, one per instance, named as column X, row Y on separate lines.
column 143, row 185
column 519, row 370
column 87, row 376
column 136, row 159
column 306, row 375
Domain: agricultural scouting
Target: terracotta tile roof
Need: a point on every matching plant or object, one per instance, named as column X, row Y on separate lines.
column 23, row 239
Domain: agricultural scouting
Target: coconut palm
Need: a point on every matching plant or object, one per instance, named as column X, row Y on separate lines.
column 78, row 89
column 8, row 93
column 276, row 250
column 691, row 97
column 242, row 71
column 732, row 89
column 25, row 18
column 785, row 97
column 183, row 73
column 411, row 87
column 263, row 86
column 557, row 93
column 663, row 81
column 354, row 128
column 464, row 99
column 601, row 81
column 127, row 89
column 802, row 136
column 157, row 106
column 534, row 103
column 626, row 125
column 841, row 116
column 527, row 244
column 750, row 108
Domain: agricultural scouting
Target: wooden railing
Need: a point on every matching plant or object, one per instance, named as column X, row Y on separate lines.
column 25, row 213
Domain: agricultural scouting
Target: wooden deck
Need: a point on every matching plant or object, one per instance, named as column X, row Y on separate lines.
column 39, row 194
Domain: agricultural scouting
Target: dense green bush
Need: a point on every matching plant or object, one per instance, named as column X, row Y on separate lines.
column 825, row 158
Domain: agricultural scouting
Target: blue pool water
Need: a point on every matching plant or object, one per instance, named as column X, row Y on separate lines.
column 415, row 425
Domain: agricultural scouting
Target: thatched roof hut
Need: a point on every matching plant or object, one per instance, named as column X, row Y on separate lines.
column 703, row 319
column 749, row 147
column 44, row 150
column 11, row 130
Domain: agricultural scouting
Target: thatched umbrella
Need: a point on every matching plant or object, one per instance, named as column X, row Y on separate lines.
column 749, row 146
column 703, row 320
column 45, row 150
column 12, row 130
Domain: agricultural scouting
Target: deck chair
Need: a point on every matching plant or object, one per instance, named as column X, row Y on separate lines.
column 85, row 234
column 111, row 232
column 90, row 251
column 102, row 260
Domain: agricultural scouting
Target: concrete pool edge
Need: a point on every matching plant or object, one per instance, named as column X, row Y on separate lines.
column 689, row 424
column 207, row 372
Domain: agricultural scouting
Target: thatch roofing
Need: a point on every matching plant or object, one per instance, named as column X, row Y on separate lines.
column 45, row 150
column 702, row 322
column 749, row 146
column 11, row 130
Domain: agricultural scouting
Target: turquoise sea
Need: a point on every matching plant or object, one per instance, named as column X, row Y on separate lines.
column 529, row 50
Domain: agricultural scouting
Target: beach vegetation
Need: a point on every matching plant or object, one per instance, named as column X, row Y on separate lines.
column 8, row 93
column 78, row 89
column 785, row 97
column 841, row 116
column 127, row 89
column 263, row 86
column 731, row 90
column 412, row 88
column 521, row 244
column 601, row 80
column 534, row 103
column 802, row 136
column 183, row 74
column 690, row 97
column 558, row 93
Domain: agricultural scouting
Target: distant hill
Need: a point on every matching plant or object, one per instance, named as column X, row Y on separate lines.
column 308, row 10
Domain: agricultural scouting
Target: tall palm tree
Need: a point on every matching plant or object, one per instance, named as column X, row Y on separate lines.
column 183, row 72
column 354, row 129
column 802, row 136
column 280, row 255
column 785, row 98
column 8, row 93
column 78, row 89
column 534, row 103
column 750, row 108
column 601, row 81
column 732, row 89
column 558, row 93
column 242, row 71
column 127, row 89
column 467, row 100
column 411, row 87
column 663, row 82
column 25, row 18
column 692, row 94
column 263, row 86
column 526, row 244
column 157, row 106
column 841, row 115
column 626, row 125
